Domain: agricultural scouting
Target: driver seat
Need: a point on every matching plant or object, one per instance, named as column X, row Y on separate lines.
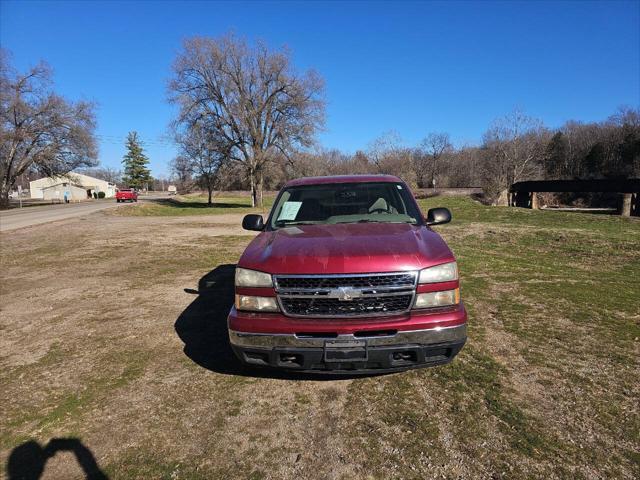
column 381, row 204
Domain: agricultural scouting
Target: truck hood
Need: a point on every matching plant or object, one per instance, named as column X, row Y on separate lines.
column 347, row 248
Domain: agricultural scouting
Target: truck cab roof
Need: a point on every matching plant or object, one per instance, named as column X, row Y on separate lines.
column 342, row 179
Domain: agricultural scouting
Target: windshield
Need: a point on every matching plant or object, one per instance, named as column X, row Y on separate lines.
column 337, row 203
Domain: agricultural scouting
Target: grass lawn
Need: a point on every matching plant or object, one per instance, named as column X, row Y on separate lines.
column 100, row 343
column 194, row 205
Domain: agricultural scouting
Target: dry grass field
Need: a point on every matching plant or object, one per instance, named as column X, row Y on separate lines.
column 108, row 366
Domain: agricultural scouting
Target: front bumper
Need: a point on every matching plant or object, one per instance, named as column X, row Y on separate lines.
column 348, row 352
column 282, row 340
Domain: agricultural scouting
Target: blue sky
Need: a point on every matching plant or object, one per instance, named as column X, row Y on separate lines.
column 411, row 67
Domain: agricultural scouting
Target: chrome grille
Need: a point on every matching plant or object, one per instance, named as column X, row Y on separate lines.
column 360, row 306
column 359, row 281
column 346, row 295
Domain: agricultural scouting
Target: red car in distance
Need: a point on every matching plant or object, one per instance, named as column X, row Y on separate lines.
column 126, row 195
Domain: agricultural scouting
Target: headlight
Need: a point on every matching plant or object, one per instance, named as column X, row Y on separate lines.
column 437, row 299
column 440, row 273
column 252, row 278
column 256, row 304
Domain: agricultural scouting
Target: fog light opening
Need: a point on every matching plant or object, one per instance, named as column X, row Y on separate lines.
column 404, row 356
column 290, row 359
column 257, row 358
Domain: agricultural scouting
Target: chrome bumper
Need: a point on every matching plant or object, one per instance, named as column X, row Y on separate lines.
column 416, row 337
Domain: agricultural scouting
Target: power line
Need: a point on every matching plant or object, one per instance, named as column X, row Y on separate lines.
column 119, row 140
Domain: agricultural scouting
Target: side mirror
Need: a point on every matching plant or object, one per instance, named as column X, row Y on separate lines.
column 253, row 222
column 438, row 216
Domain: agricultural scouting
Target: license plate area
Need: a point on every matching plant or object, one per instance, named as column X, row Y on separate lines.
column 345, row 351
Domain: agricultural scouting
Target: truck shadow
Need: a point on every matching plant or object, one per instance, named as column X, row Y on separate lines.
column 202, row 326
column 28, row 460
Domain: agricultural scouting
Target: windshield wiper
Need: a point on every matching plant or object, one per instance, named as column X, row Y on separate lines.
column 363, row 220
column 366, row 220
column 286, row 224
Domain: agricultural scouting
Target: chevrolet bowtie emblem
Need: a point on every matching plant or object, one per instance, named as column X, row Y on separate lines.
column 344, row 294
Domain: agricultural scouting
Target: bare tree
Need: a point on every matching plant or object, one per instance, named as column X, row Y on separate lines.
column 182, row 170
column 206, row 152
column 107, row 174
column 309, row 164
column 624, row 134
column 625, row 116
column 359, row 163
column 459, row 167
column 514, row 145
column 388, row 156
column 434, row 146
column 382, row 148
column 579, row 138
column 251, row 97
column 40, row 129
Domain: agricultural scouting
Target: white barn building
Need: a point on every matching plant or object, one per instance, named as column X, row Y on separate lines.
column 73, row 186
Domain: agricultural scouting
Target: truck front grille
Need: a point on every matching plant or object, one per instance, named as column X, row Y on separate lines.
column 346, row 295
column 336, row 308
column 358, row 281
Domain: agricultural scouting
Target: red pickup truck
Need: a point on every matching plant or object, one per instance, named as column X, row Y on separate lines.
column 126, row 195
column 347, row 276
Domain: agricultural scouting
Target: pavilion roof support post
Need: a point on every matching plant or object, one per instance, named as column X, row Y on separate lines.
column 534, row 201
column 625, row 210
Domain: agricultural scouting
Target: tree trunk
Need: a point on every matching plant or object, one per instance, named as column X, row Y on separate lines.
column 209, row 201
column 502, row 199
column 5, row 188
column 259, row 185
column 253, row 187
column 433, row 173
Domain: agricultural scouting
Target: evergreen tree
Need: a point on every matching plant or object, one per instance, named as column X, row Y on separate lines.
column 135, row 162
column 595, row 161
column 556, row 157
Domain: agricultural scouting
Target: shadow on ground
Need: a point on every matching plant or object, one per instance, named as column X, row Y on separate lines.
column 202, row 326
column 175, row 203
column 28, row 461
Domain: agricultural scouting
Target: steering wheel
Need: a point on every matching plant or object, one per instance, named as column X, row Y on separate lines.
column 379, row 210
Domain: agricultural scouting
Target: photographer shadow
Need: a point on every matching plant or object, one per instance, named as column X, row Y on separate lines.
column 27, row 461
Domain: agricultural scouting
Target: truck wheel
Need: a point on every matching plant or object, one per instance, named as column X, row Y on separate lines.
column 117, row 200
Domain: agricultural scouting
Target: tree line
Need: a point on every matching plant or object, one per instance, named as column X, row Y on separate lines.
column 514, row 148
column 246, row 119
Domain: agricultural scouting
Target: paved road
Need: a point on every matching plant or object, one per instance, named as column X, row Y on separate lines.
column 29, row 216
